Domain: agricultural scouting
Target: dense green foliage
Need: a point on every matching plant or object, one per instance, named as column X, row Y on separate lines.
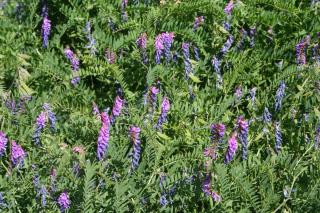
column 267, row 181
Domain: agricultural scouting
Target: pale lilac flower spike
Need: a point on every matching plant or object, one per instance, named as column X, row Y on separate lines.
column 232, row 148
column 17, row 154
column 164, row 111
column 3, row 143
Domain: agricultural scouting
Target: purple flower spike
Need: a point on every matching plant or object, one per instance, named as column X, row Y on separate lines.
column 186, row 58
column 142, row 45
column 210, row 152
column 280, row 95
column 64, row 201
column 197, row 22
column 91, row 41
column 216, row 63
column 159, row 48
column 215, row 197
column 229, row 7
column 110, row 56
column 244, row 35
column 40, row 125
column 278, row 137
column 45, row 31
column 164, row 111
column 252, row 32
column 134, row 135
column 152, row 97
column 116, row 110
column 3, row 143
column 104, row 134
column 243, row 128
column 317, row 137
column 301, row 49
column 17, row 154
column 51, row 116
column 232, row 148
column 206, row 185
column 95, row 110
column 217, row 132
column 227, row 45
column 167, row 39
column 74, row 63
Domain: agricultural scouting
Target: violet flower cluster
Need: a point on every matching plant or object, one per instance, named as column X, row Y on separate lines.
column 3, row 143
column 216, row 61
column 142, row 45
column 244, row 35
column 96, row 111
column 116, row 110
column 232, row 148
column 74, row 64
column 64, row 201
column 278, row 137
column 40, row 125
column 92, row 42
column 135, row 138
column 110, row 56
column 196, row 53
column 206, row 188
column 17, row 154
column 301, row 49
column 197, row 22
column 243, row 128
column 217, row 132
column 51, row 116
column 163, row 43
column 164, row 111
column 280, row 95
column 252, row 33
column 229, row 7
column 151, row 98
column 103, row 139
column 124, row 15
column 46, row 27
column 186, row 58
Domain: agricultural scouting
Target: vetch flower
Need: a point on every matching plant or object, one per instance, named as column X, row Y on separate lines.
column 116, row 110
column 110, row 56
column 227, row 45
column 215, row 197
column 252, row 32
column 134, row 135
column 266, row 116
column 197, row 22
column 43, row 192
column 74, row 63
column 104, row 134
column 279, row 96
column 159, row 48
column 2, row 202
column 278, row 137
column 3, row 143
column 232, row 148
column 252, row 93
column 152, row 98
column 301, row 49
column 40, row 125
column 91, row 41
column 216, row 63
column 64, row 201
column 186, row 58
column 196, row 53
column 244, row 35
column 217, row 132
column 243, row 128
column 164, row 111
column 163, row 200
column 167, row 39
column 17, row 154
column 95, row 110
column 229, row 7
column 45, row 31
column 142, row 45
column 51, row 116
column 206, row 185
